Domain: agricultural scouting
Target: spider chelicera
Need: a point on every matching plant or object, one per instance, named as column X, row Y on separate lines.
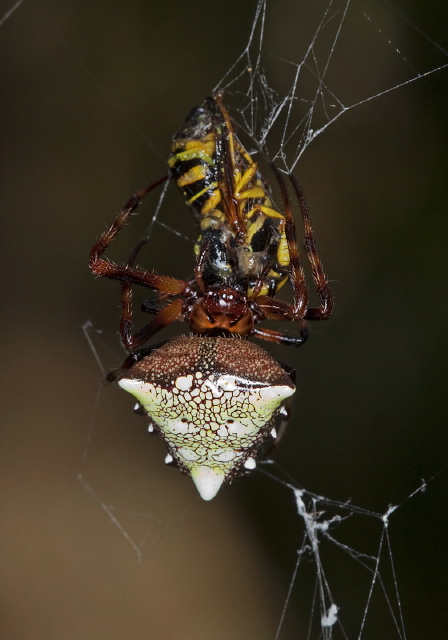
column 214, row 397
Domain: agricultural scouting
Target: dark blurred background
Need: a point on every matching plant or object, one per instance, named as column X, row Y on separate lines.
column 92, row 92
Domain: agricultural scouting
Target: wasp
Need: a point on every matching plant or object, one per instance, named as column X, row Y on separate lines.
column 213, row 396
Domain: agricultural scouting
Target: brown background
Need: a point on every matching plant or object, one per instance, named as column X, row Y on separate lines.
column 85, row 86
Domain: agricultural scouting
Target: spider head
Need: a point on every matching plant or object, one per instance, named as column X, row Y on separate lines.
column 222, row 309
column 222, row 300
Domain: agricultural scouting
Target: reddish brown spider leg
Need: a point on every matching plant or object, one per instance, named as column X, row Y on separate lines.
column 163, row 318
column 135, row 251
column 131, row 205
column 127, row 273
column 128, row 276
column 273, row 309
column 297, row 274
column 320, row 280
column 281, row 338
column 131, row 275
column 152, row 280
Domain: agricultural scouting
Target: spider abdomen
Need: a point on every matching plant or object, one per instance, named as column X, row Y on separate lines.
column 214, row 401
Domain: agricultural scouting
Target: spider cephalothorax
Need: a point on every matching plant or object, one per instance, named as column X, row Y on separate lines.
column 222, row 310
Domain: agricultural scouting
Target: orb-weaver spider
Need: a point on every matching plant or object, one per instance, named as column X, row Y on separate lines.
column 215, row 399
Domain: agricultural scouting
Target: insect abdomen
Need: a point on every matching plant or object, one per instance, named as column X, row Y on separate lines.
column 193, row 162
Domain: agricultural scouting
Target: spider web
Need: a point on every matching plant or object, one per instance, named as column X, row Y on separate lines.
column 282, row 102
column 350, row 570
column 309, row 93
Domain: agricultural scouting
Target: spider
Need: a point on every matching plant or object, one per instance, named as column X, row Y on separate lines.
column 214, row 397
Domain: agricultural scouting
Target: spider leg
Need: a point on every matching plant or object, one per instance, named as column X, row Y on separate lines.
column 281, row 338
column 297, row 275
column 128, row 275
column 136, row 250
column 320, row 280
column 166, row 315
column 131, row 205
column 274, row 309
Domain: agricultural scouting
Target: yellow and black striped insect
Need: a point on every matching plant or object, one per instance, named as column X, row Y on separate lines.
column 212, row 398
column 221, row 183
